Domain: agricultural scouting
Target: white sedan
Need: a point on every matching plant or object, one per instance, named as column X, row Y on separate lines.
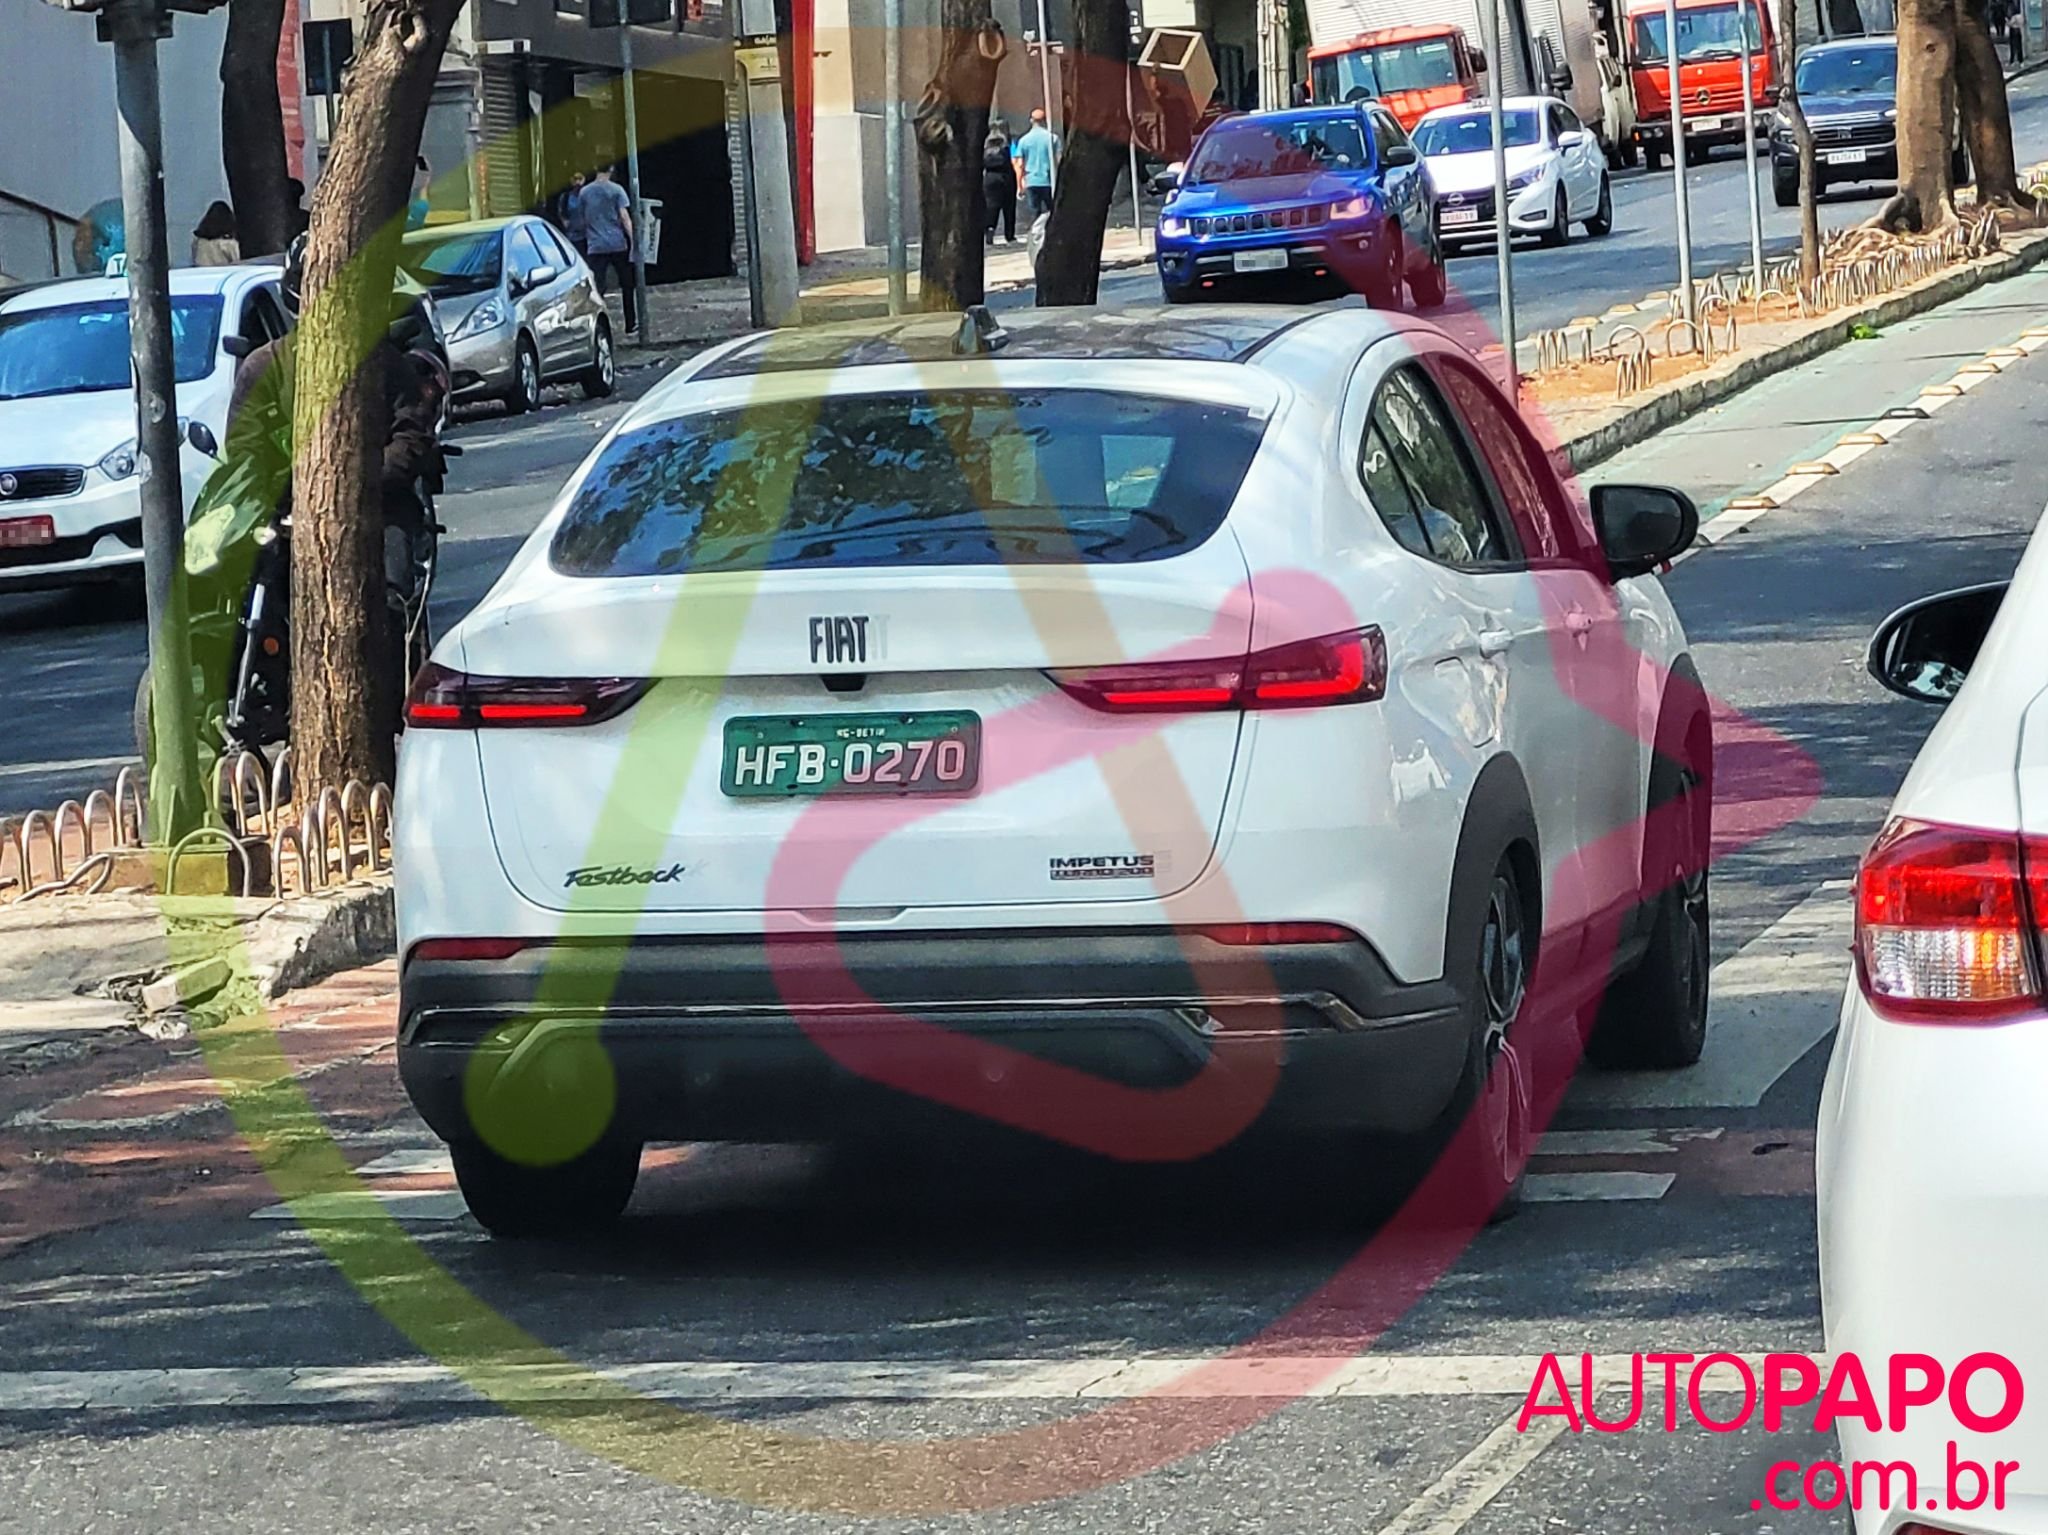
column 70, row 482
column 1122, row 728
column 1556, row 171
column 1933, row 1148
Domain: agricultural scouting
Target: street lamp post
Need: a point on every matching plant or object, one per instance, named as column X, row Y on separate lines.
column 1045, row 83
column 1489, row 19
column 1688, row 299
column 892, row 153
column 135, row 27
column 632, row 110
column 1756, row 207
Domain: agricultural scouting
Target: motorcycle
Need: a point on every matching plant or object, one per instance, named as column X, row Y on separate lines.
column 238, row 592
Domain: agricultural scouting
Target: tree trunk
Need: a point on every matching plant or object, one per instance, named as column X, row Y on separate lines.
column 1980, row 98
column 252, row 127
column 952, row 121
column 1095, row 153
column 1802, row 135
column 1926, row 106
column 343, row 674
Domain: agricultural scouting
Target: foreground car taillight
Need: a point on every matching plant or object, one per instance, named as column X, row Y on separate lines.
column 445, row 699
column 1948, row 923
column 1344, row 668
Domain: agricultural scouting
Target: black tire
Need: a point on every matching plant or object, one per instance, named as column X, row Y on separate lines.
column 1560, row 229
column 1654, row 1016
column 1179, row 293
column 1383, row 287
column 1653, row 158
column 525, row 392
column 1602, row 221
column 1430, row 285
column 576, row 1198
column 1959, row 166
column 1785, row 187
column 1697, row 154
column 602, row 376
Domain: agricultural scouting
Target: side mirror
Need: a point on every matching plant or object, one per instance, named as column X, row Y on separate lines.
column 237, row 347
column 1924, row 650
column 1398, row 154
column 1168, row 178
column 1571, row 140
column 1641, row 527
column 1478, row 61
column 539, row 277
column 1560, row 82
column 200, row 435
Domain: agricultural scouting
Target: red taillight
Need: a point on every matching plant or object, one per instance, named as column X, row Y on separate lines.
column 1947, row 926
column 473, row 950
column 1336, row 669
column 1246, row 935
column 444, row 699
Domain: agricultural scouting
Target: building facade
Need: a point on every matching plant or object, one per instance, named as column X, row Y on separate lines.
column 57, row 146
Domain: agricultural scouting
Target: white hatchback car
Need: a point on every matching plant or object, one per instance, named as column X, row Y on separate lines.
column 1557, row 171
column 1933, row 1148
column 70, row 493
column 1123, row 728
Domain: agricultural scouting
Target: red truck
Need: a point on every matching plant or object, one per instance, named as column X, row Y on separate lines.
column 1413, row 70
column 1710, row 34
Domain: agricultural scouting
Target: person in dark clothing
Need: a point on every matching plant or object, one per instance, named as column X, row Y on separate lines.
column 2016, row 35
column 998, row 186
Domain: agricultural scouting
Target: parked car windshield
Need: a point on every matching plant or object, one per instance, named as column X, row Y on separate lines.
column 1704, row 32
column 82, row 348
column 467, row 263
column 1850, row 72
column 953, row 477
column 1252, row 147
column 1471, row 133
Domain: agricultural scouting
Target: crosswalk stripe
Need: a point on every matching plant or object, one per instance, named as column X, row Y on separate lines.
column 1561, row 1188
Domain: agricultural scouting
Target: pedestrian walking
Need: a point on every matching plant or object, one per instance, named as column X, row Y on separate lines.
column 422, row 179
column 2016, row 35
column 998, row 187
column 297, row 218
column 214, row 242
column 1033, row 155
column 608, row 229
column 572, row 215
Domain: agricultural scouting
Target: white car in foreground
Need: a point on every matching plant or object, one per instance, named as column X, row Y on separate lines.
column 70, row 486
column 1557, row 172
column 1933, row 1147
column 1121, row 728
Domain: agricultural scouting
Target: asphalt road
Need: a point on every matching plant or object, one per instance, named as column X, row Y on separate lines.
column 792, row 1297
column 70, row 661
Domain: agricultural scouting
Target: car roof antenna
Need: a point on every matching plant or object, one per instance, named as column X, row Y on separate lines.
column 980, row 333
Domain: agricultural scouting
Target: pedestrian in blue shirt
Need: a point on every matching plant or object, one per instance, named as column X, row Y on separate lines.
column 1033, row 155
column 608, row 226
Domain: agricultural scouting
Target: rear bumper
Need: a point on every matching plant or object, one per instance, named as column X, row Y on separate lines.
column 1880, row 162
column 1727, row 129
column 718, row 1039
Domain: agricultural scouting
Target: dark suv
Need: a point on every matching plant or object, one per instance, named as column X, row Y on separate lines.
column 1848, row 91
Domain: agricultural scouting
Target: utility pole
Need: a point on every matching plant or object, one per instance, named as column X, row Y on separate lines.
column 1045, row 81
column 892, row 153
column 632, row 109
column 1756, row 207
column 135, row 27
column 1489, row 16
column 1689, row 300
column 774, row 254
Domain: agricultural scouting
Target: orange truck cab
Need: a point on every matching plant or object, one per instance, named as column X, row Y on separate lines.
column 1412, row 70
column 1709, row 74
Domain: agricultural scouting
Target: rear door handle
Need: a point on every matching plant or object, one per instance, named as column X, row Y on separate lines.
column 1578, row 623
column 1493, row 642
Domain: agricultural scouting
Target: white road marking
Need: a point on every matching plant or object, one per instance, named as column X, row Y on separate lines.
column 73, row 765
column 1771, row 1003
column 418, row 1383
column 1620, row 1143
column 412, row 1162
column 1447, row 1505
column 1572, row 1188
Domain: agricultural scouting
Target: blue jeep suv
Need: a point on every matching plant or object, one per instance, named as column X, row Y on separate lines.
column 1325, row 193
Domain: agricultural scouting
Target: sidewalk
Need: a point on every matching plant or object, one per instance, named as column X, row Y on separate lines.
column 839, row 285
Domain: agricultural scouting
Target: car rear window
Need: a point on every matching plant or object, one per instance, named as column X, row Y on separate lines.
column 959, row 477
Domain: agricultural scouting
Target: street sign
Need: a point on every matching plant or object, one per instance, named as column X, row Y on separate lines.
column 641, row 13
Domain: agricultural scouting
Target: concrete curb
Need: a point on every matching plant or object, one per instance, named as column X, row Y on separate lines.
column 1726, row 379
column 292, row 944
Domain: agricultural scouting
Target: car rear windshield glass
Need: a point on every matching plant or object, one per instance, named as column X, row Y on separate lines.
column 960, row 477
column 1240, row 151
column 460, row 264
column 1850, row 72
column 82, row 348
column 1471, row 133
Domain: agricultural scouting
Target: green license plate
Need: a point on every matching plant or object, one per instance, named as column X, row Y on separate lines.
column 779, row 755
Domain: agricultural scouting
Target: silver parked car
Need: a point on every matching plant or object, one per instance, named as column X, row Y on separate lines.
column 519, row 306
